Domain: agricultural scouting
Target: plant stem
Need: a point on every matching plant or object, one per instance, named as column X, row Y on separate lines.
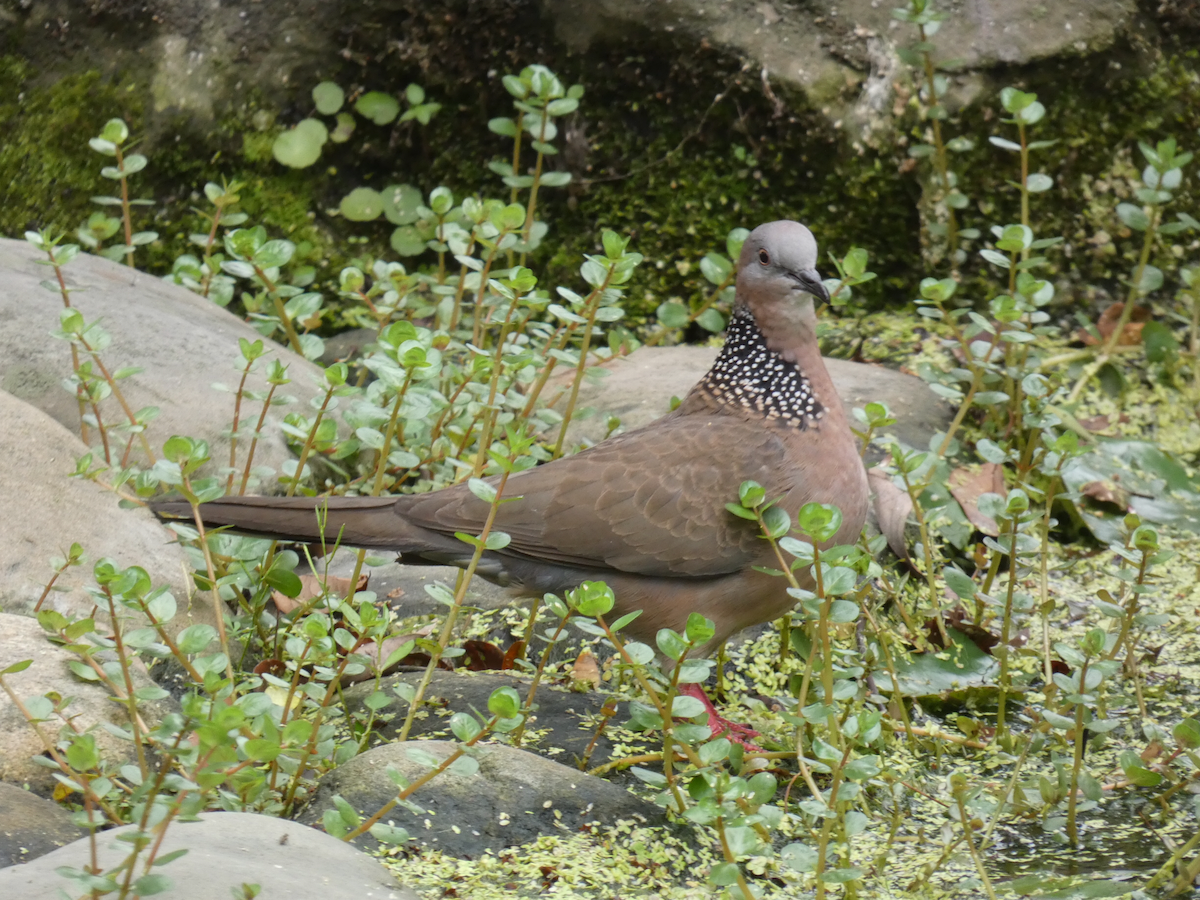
column 719, row 824
column 1080, row 739
column 460, row 594
column 593, row 306
column 519, row 733
column 1003, row 649
column 284, row 319
column 126, row 217
column 407, row 792
column 262, row 418
column 1109, row 348
column 233, row 434
column 965, row 820
column 116, row 390
column 941, row 158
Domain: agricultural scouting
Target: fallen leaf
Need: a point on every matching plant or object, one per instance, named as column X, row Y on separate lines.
column 273, row 666
column 313, row 586
column 483, row 656
column 512, row 654
column 395, row 593
column 1106, row 492
column 967, row 486
column 957, row 619
column 379, row 655
column 1107, row 324
column 1161, row 489
column 586, row 669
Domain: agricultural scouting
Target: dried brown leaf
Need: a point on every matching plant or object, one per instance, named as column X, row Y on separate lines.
column 512, row 654
column 967, row 486
column 1107, row 324
column 1106, row 492
column 313, row 586
column 483, row 656
column 586, row 669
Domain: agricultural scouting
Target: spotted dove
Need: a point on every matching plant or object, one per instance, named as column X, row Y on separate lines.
column 645, row 511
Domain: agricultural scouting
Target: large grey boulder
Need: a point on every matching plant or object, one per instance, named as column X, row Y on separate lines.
column 47, row 511
column 822, row 48
column 197, row 57
column 514, row 798
column 563, row 726
column 21, row 638
column 31, row 826
column 183, row 343
column 638, row 389
column 225, row 851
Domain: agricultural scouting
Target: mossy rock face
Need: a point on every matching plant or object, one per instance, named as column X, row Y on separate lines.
column 653, row 154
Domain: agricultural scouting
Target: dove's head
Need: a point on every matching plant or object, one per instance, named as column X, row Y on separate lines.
column 777, row 276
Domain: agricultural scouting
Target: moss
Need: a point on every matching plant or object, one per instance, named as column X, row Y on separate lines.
column 676, row 171
column 48, row 174
column 663, row 162
column 1096, row 117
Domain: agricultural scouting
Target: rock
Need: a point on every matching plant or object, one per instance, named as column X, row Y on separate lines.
column 403, row 586
column 347, row 345
column 919, row 412
column 195, row 57
column 21, row 638
column 639, row 388
column 822, row 49
column 182, row 341
column 561, row 728
column 52, row 510
column 31, row 827
column 514, row 798
column 225, row 851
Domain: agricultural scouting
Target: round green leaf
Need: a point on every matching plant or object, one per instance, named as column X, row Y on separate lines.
column 300, row 147
column 328, row 98
column 377, row 106
column 711, row 320
column 401, row 203
column 362, row 205
column 504, row 702
column 1037, row 182
column 115, row 131
column 673, row 314
column 407, row 241
column 344, row 129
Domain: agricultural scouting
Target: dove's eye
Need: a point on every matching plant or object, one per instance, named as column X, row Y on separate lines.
column 764, row 257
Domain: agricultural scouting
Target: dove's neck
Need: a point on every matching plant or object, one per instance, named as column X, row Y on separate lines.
column 784, row 383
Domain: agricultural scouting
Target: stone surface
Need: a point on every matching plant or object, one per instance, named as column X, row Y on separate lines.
column 841, row 55
column 31, row 826
column 54, row 510
column 21, row 638
column 403, row 586
column 225, row 851
column 639, row 388
column 513, row 798
column 561, row 728
column 196, row 56
column 183, row 342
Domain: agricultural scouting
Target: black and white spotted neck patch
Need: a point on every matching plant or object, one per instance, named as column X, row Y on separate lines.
column 749, row 374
